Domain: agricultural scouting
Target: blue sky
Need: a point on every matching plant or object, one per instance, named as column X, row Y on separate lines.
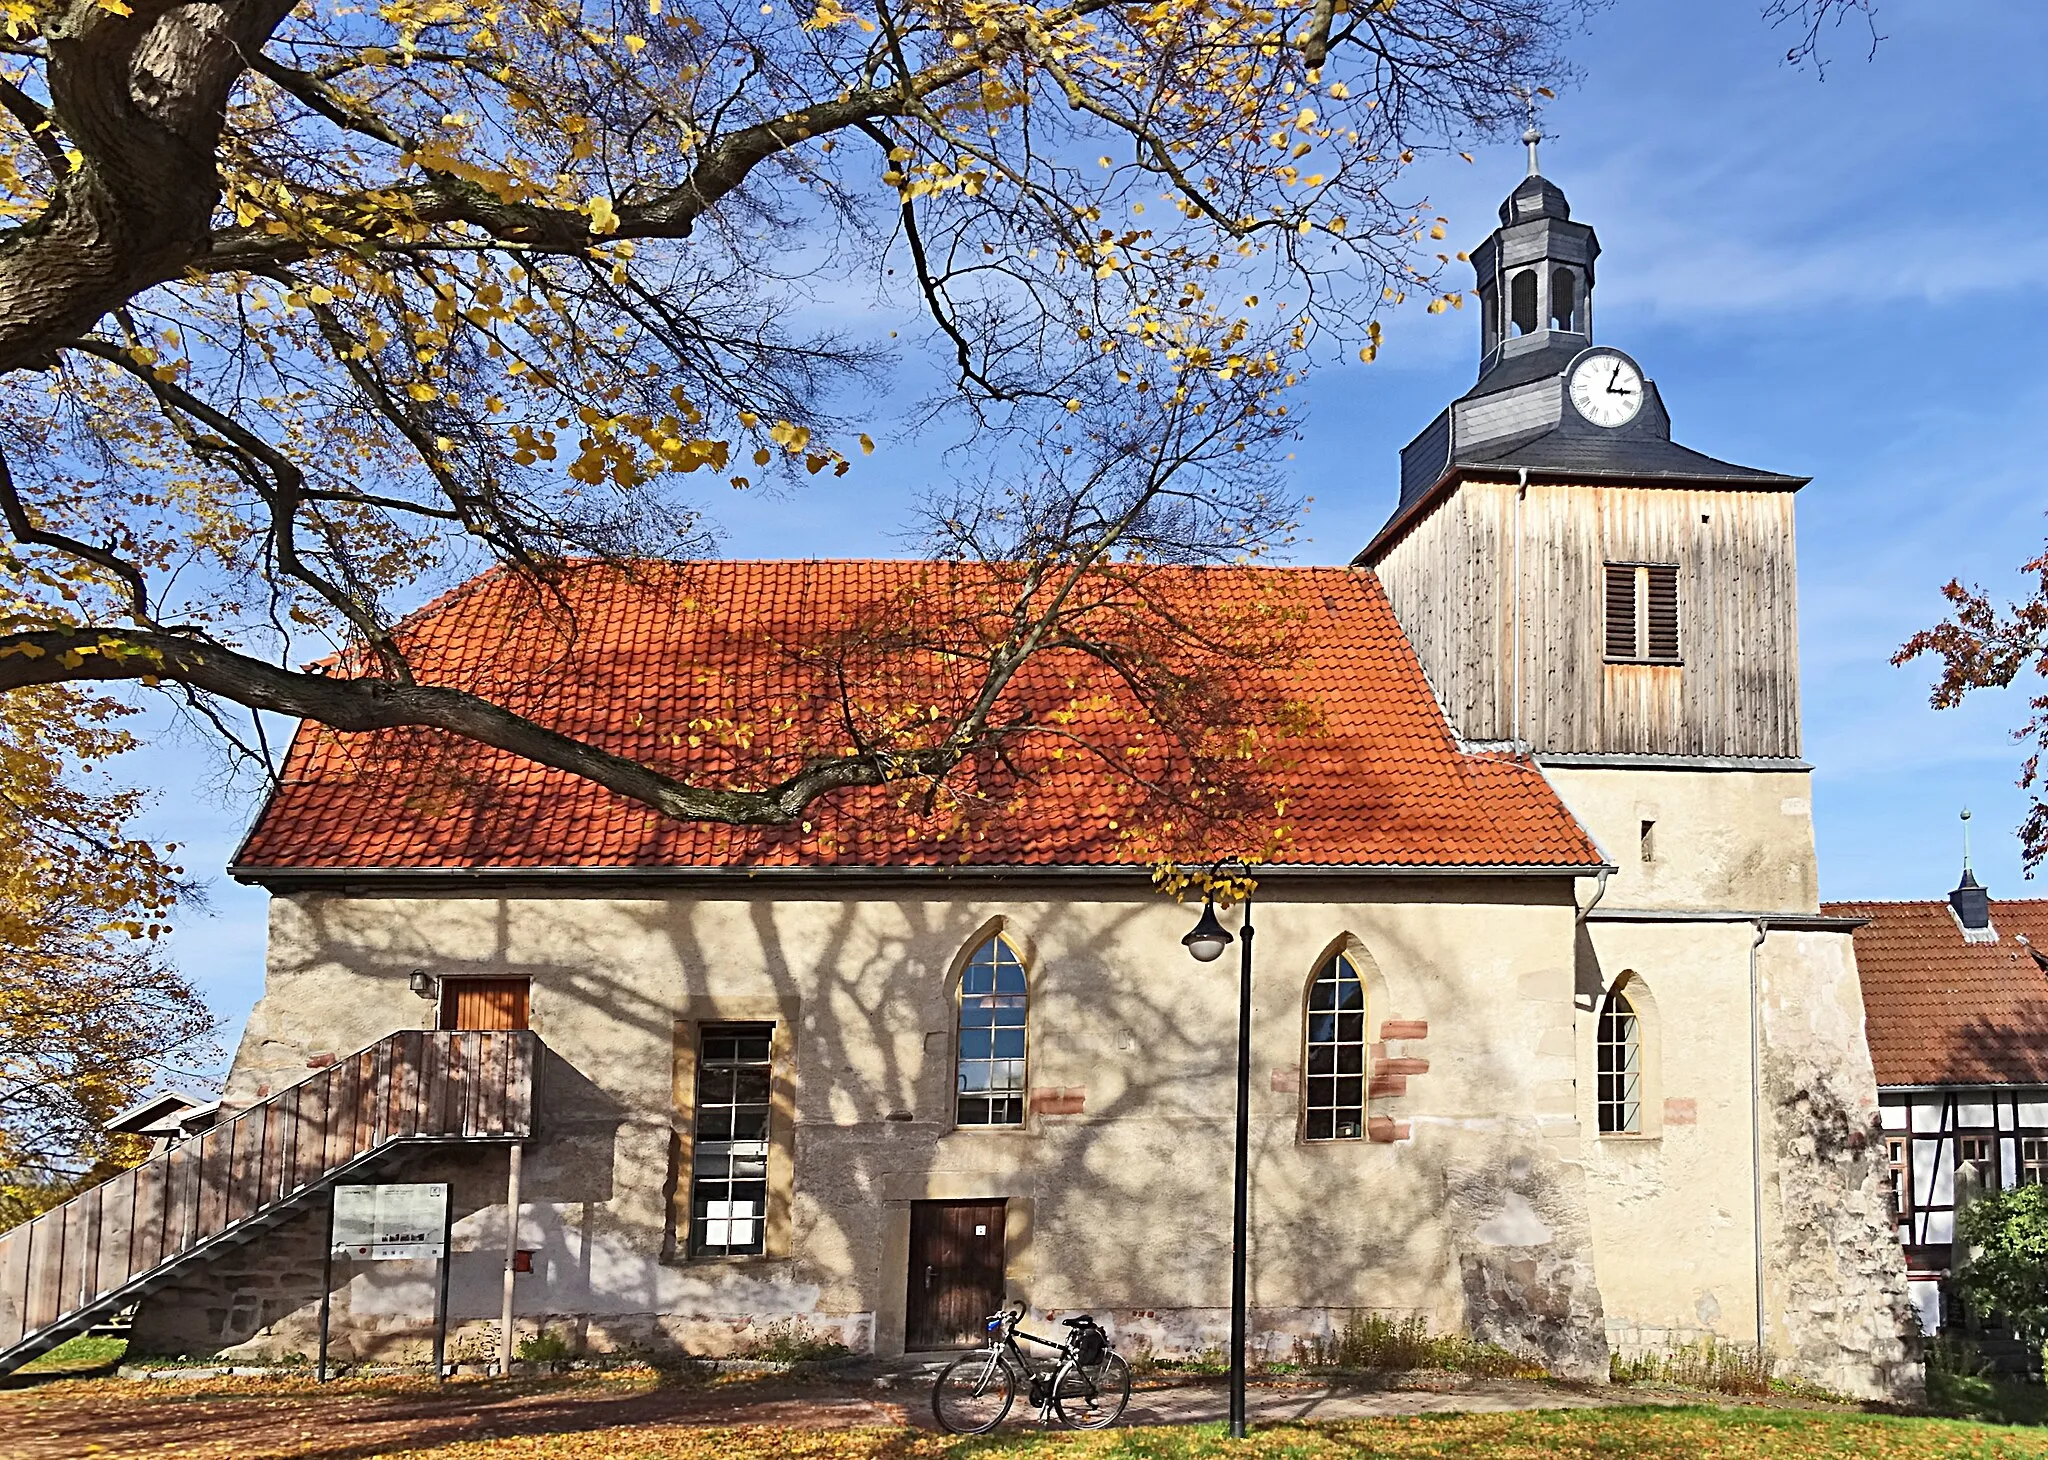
column 1845, row 278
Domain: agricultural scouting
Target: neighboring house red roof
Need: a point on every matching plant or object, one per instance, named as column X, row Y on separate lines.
column 1375, row 778
column 1940, row 1011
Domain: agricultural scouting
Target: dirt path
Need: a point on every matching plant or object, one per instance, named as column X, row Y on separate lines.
column 256, row 1419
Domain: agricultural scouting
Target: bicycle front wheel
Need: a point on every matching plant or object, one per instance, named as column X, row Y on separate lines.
column 973, row 1393
column 1093, row 1396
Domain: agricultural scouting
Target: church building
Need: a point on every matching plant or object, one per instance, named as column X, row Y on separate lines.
column 1552, row 1042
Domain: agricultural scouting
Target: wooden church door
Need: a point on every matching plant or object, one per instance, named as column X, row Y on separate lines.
column 956, row 1272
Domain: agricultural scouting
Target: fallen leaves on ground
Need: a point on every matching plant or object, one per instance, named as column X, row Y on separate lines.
column 636, row 1416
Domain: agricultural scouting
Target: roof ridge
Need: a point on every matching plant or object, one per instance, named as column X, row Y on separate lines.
column 1926, row 902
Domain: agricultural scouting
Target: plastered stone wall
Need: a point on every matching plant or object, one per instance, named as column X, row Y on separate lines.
column 1836, row 1276
column 1729, row 839
column 1468, row 1207
column 1673, row 1207
column 1486, row 1201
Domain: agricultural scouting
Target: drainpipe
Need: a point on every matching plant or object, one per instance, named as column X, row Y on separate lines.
column 505, row 1345
column 1756, row 1123
column 1599, row 892
column 1521, row 495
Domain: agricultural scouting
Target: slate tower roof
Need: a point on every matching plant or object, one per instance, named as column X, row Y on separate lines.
column 1535, row 279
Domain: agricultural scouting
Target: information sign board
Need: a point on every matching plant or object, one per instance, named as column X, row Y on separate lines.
column 392, row 1222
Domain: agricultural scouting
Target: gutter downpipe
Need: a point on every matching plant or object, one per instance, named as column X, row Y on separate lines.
column 1599, row 892
column 1521, row 495
column 1756, row 1124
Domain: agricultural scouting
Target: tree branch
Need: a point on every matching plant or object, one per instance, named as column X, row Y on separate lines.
column 69, row 656
column 21, row 526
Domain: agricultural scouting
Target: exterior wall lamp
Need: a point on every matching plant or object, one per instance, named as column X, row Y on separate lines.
column 424, row 984
column 1206, row 942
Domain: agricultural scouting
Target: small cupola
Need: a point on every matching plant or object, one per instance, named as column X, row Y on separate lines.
column 1970, row 903
column 1535, row 274
column 1535, row 196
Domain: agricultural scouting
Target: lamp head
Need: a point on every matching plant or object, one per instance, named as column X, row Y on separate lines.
column 424, row 984
column 1209, row 937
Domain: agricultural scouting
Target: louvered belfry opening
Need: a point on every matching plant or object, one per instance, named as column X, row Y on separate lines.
column 1621, row 611
column 1660, row 587
column 1642, row 613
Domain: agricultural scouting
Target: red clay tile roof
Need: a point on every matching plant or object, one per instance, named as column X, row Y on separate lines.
column 1940, row 1011
column 1374, row 779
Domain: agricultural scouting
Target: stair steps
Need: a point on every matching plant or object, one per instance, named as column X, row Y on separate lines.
column 76, row 1264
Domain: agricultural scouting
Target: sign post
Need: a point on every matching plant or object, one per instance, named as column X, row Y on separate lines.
column 326, row 1292
column 441, row 1297
column 401, row 1222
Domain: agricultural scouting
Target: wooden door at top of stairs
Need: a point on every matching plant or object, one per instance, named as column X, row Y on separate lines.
column 484, row 1003
column 956, row 1272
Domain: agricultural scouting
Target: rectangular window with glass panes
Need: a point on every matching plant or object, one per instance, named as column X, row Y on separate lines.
column 729, row 1153
column 2033, row 1161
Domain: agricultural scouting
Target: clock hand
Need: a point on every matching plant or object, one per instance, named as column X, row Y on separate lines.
column 1615, row 376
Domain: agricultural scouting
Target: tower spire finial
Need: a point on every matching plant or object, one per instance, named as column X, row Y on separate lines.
column 1532, row 134
column 1966, row 841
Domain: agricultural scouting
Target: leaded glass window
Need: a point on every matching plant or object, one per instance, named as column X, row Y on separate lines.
column 1620, row 1057
column 993, row 1004
column 1336, row 1053
column 729, row 1158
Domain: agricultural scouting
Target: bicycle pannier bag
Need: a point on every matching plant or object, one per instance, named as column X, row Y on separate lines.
column 1090, row 1344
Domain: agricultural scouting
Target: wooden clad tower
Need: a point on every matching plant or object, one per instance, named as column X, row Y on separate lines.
column 1584, row 591
column 1575, row 582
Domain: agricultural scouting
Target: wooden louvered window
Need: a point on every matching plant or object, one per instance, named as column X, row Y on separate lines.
column 1642, row 613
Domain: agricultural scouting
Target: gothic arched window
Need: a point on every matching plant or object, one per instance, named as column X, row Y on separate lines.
column 1619, row 1056
column 1335, row 1106
column 989, row 1066
column 1564, row 300
column 1522, row 301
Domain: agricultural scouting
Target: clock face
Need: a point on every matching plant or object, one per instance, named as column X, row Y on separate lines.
column 1607, row 389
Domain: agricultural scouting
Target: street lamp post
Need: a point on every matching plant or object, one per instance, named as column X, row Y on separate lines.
column 1206, row 943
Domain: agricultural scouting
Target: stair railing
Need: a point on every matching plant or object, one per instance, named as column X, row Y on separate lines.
column 419, row 1085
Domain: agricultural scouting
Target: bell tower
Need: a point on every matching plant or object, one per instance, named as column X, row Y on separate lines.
column 1588, row 596
column 1535, row 273
column 1577, row 584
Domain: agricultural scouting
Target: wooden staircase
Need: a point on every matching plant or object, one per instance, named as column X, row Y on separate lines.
column 65, row 1270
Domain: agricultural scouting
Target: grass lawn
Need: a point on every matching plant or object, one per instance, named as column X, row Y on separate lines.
column 1996, row 1401
column 78, row 1355
column 1668, row 1434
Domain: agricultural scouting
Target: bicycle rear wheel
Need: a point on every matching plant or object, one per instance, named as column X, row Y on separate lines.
column 1092, row 1397
column 973, row 1393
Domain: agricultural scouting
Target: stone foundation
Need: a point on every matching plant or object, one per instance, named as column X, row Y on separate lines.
column 267, row 1289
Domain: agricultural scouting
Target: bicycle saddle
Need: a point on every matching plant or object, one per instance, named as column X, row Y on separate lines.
column 1084, row 1321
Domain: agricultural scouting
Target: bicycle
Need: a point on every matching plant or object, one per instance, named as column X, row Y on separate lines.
column 1087, row 1388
